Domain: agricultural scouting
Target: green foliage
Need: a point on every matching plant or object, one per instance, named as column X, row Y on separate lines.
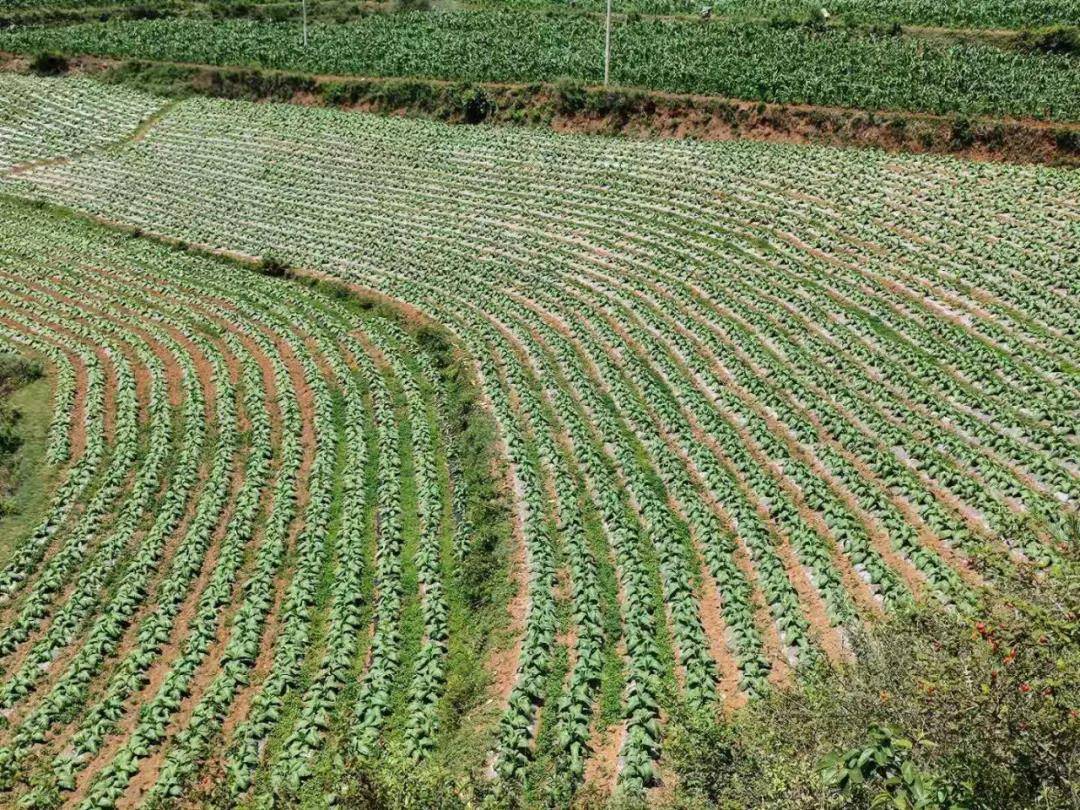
column 571, row 97
column 707, row 755
column 272, row 265
column 975, row 14
column 46, row 132
column 10, row 442
column 488, row 512
column 750, row 60
column 395, row 783
column 609, row 417
column 1059, row 39
column 1068, row 140
column 962, row 136
column 48, row 64
column 978, row 14
column 882, row 767
column 15, row 372
column 935, row 712
column 166, row 80
column 477, row 106
column 9, row 436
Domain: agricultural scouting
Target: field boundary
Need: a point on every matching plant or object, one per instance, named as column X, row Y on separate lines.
column 626, row 112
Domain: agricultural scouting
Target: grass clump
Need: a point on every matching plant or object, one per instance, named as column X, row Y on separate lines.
column 16, row 373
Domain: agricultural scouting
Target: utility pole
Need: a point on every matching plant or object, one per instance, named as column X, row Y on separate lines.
column 304, row 5
column 607, row 46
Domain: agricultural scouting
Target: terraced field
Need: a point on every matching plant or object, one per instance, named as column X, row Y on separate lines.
column 746, row 60
column 976, row 14
column 41, row 121
column 240, row 454
column 744, row 398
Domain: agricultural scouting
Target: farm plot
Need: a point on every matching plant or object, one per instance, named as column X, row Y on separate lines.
column 986, row 14
column 748, row 397
column 981, row 14
column 752, row 60
column 45, row 119
column 255, row 478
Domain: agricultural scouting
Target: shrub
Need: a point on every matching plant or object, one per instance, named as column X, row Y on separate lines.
column 412, row 5
column 961, row 712
column 570, row 97
column 49, row 64
column 962, row 135
column 16, row 371
column 271, row 265
column 338, row 94
column 1068, row 141
column 477, row 107
column 10, row 441
column 882, row 766
column 1060, row 39
column 396, row 783
column 143, row 12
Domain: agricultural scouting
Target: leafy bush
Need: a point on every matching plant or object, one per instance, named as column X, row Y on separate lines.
column 935, row 712
column 272, row 265
column 16, row 371
column 49, row 64
column 1058, row 39
column 477, row 106
column 884, row 761
column 9, row 437
column 571, row 96
column 394, row 783
column 144, row 12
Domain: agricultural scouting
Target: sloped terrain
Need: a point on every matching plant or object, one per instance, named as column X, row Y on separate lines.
column 747, row 397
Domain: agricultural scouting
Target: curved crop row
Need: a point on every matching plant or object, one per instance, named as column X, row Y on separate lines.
column 769, row 406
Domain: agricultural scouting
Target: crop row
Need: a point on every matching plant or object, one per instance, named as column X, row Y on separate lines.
column 744, row 60
column 42, row 119
column 170, row 604
column 790, row 404
column 996, row 14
